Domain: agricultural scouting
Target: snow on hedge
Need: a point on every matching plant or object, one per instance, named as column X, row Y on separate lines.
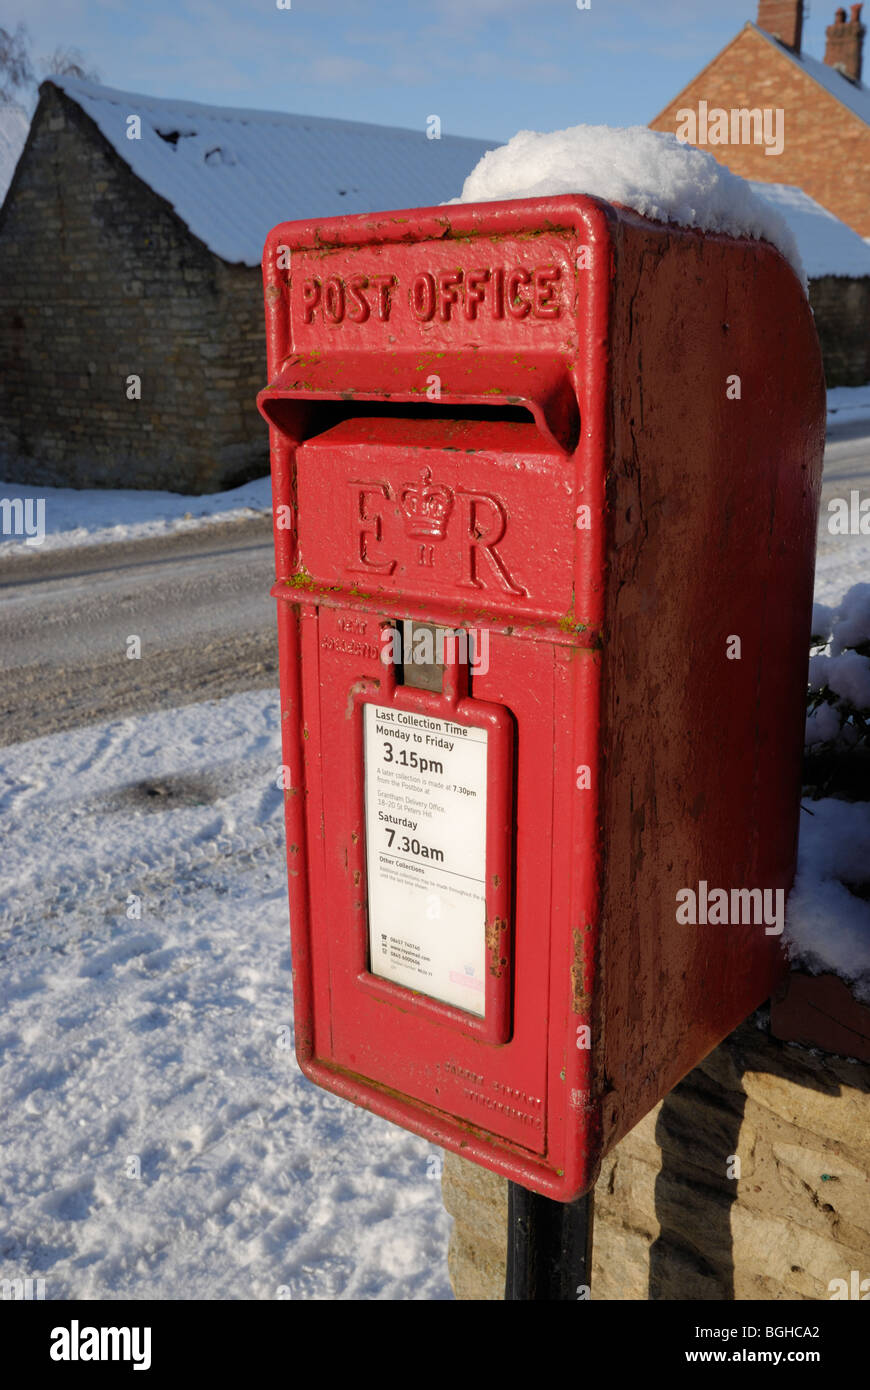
column 828, row 919
column 827, row 923
column 839, row 671
column 643, row 169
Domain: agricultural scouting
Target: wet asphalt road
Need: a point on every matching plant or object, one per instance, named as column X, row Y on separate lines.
column 199, row 603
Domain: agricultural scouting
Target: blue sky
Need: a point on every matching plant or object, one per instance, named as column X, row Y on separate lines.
column 486, row 67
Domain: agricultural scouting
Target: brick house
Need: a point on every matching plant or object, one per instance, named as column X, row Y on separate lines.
column 823, row 146
column 131, row 319
column 826, row 108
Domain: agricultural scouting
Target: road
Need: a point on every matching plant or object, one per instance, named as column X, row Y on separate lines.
column 199, row 603
column 847, row 468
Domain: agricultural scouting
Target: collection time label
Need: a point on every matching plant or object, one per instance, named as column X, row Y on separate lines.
column 425, row 807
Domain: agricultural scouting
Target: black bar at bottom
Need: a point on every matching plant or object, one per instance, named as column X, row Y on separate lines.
column 549, row 1255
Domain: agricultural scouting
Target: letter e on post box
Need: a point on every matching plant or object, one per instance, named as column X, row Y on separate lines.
column 512, row 733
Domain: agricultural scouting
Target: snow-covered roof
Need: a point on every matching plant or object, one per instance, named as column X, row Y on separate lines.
column 14, row 125
column 853, row 95
column 232, row 174
column 827, row 245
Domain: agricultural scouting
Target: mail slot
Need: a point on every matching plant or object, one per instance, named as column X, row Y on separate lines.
column 545, row 485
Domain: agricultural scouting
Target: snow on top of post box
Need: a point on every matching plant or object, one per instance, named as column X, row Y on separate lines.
column 232, row 175
column 646, row 170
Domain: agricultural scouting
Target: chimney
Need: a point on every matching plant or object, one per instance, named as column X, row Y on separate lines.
column 845, row 45
column 784, row 20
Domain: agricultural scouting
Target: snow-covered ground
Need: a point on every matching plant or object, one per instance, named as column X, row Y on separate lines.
column 158, row 1139
column 160, row 1043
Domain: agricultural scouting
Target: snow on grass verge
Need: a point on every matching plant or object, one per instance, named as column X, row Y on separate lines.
column 153, row 1043
column 848, row 403
column 95, row 516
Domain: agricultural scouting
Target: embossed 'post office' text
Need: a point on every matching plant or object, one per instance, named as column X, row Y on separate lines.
column 495, row 292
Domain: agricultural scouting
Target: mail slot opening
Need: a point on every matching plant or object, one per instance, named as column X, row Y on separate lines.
column 300, row 419
column 310, row 394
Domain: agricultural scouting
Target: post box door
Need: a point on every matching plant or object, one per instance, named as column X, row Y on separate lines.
column 452, row 1059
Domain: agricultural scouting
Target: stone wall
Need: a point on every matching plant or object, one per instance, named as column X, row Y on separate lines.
column 842, row 311
column 669, row 1221
column 99, row 281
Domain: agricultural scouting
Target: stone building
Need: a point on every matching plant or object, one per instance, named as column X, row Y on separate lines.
column 131, row 319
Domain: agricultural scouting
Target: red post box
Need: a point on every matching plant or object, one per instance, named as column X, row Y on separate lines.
column 546, row 479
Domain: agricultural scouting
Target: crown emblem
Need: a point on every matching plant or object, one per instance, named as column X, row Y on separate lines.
column 427, row 507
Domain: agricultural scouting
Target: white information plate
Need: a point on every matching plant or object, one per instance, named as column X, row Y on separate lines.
column 425, row 801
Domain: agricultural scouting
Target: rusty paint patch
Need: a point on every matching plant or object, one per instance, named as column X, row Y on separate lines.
column 580, row 1000
column 357, row 687
column 494, row 930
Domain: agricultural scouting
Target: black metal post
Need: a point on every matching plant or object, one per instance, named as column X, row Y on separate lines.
column 549, row 1256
